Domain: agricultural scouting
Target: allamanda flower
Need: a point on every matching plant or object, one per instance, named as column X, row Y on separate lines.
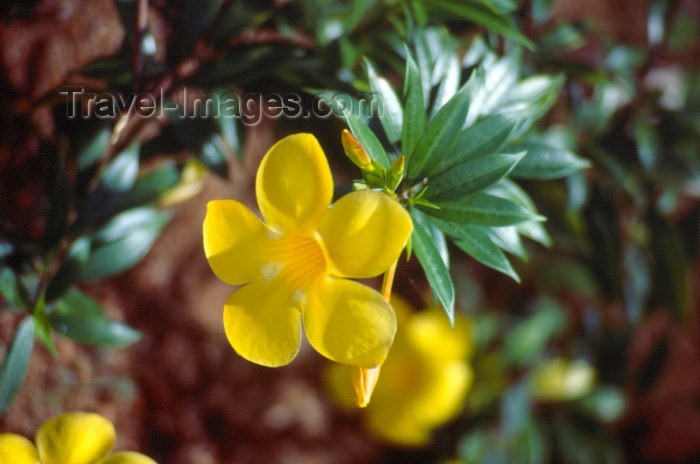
column 71, row 438
column 424, row 382
column 294, row 265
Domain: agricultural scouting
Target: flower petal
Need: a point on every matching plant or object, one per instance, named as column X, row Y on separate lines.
column 75, row 438
column 235, row 242
column 262, row 323
column 364, row 233
column 16, row 449
column 128, row 457
column 349, row 322
column 294, row 184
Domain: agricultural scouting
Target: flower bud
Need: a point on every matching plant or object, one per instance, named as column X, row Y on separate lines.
column 396, row 172
column 354, row 151
column 363, row 383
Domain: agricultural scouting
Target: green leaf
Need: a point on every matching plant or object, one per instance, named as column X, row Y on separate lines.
column 6, row 249
column 529, row 338
column 546, row 162
column 606, row 404
column 560, row 39
column 414, row 108
column 215, row 155
column 425, row 42
column 120, row 174
column 79, row 317
column 151, row 185
column 531, row 91
column 484, row 17
column 436, row 236
column 59, row 191
column 482, row 209
column 475, row 241
column 485, row 137
column 94, row 150
column 449, row 83
column 16, row 363
column 391, row 113
column 9, row 289
column 441, row 135
column 116, row 179
column 500, row 6
column 70, row 269
column 500, row 78
column 229, row 134
column 648, row 143
column 508, row 239
column 471, row 176
column 124, row 223
column 122, row 252
column 436, row 271
column 506, row 188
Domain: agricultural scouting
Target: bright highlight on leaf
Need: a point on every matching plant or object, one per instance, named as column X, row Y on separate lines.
column 295, row 263
column 71, row 438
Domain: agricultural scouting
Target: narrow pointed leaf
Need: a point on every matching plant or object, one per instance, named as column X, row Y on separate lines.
column 93, row 150
column 486, row 136
column 476, row 242
column 70, row 269
column 436, row 271
column 471, row 176
column 437, row 236
column 16, row 363
column 438, row 139
column 122, row 252
column 482, row 209
column 450, row 82
column 120, row 174
column 484, row 17
column 546, row 162
column 425, row 60
column 80, row 318
column 508, row 239
column 391, row 115
column 151, row 185
column 414, row 109
column 535, row 231
column 10, row 290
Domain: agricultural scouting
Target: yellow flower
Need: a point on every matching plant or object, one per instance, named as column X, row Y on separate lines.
column 560, row 379
column 424, row 381
column 71, row 438
column 293, row 265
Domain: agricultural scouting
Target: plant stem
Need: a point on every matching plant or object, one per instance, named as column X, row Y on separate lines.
column 388, row 281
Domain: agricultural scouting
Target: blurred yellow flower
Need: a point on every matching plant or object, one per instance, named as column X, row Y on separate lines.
column 424, row 381
column 560, row 379
column 294, row 264
column 191, row 183
column 71, row 438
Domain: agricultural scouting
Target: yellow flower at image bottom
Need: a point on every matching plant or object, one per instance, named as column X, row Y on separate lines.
column 295, row 264
column 71, row 438
column 424, row 380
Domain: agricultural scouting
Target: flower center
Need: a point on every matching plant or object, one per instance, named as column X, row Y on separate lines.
column 301, row 260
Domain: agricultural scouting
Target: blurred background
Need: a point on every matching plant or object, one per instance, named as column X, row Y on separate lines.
column 594, row 357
